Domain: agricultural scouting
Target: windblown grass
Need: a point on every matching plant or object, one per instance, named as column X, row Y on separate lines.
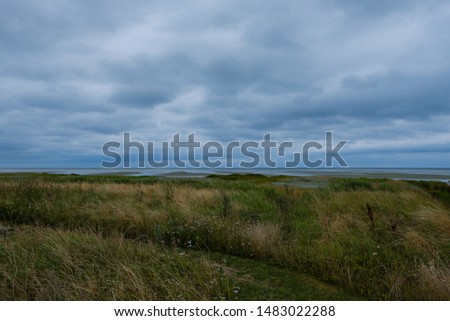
column 48, row 264
column 401, row 251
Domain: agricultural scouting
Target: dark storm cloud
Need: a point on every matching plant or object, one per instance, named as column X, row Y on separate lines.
column 76, row 74
column 143, row 97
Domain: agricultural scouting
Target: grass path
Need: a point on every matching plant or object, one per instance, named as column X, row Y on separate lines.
column 54, row 264
column 263, row 281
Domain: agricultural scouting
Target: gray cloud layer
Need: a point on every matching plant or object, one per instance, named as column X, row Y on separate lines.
column 74, row 74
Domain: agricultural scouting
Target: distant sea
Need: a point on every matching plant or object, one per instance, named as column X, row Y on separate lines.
column 436, row 174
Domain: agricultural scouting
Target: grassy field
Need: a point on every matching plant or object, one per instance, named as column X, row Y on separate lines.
column 237, row 237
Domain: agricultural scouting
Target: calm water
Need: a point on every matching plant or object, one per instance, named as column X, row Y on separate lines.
column 441, row 174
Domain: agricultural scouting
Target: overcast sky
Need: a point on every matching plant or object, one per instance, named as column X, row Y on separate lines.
column 75, row 74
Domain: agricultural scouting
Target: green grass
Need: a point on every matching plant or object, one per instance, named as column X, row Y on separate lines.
column 304, row 243
column 439, row 190
column 258, row 280
column 48, row 264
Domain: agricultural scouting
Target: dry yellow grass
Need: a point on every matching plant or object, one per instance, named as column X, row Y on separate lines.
column 434, row 281
column 187, row 199
column 414, row 240
column 435, row 215
column 264, row 238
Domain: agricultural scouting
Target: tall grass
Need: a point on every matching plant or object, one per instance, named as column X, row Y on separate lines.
column 403, row 252
column 48, row 264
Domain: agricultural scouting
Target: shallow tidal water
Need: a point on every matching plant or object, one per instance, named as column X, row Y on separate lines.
column 436, row 174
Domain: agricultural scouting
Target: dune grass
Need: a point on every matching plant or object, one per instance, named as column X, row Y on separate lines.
column 401, row 251
column 49, row 264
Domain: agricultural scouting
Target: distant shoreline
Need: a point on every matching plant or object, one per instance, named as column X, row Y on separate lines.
column 431, row 174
